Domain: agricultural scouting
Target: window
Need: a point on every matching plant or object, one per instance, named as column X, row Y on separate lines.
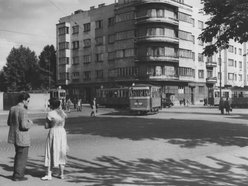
column 240, row 77
column 209, row 73
column 99, row 74
column 111, row 38
column 193, row 56
column 67, row 76
column 129, row 52
column 75, row 60
column 124, row 17
column 99, row 24
column 63, row 45
column 185, row 35
column 87, row 58
column 200, row 57
column 75, row 29
column 240, row 51
column 87, row 43
column 161, row 51
column 64, row 60
column 120, row 53
column 63, row 30
column 86, row 27
column 231, row 49
column 183, row 53
column 240, row 65
column 75, row 75
column 200, row 25
column 184, row 17
column 99, row 40
column 183, row 71
column 201, row 74
column 193, row 22
column 231, row 62
column 111, row 21
column 111, row 55
column 75, row 44
column 99, row 57
column 201, row 89
column 125, row 35
column 87, row 75
column 230, row 76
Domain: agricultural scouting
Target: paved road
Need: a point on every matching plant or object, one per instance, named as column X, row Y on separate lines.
column 179, row 146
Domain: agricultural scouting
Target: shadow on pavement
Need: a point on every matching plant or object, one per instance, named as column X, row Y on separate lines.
column 186, row 133
column 108, row 170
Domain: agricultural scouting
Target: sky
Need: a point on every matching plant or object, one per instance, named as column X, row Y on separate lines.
column 32, row 23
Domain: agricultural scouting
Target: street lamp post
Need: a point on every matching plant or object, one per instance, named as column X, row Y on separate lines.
column 220, row 71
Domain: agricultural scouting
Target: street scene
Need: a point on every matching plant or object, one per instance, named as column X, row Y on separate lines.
column 177, row 146
column 124, row 93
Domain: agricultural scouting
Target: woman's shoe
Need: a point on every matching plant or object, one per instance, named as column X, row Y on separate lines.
column 62, row 177
column 46, row 178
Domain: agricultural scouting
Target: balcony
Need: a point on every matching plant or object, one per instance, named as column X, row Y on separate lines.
column 163, row 78
column 155, row 38
column 147, row 19
column 156, row 1
column 211, row 80
column 211, row 64
column 174, row 59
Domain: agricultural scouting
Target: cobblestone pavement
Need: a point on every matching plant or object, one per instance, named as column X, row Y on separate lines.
column 179, row 146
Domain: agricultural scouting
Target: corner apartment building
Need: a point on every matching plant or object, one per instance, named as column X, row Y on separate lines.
column 141, row 41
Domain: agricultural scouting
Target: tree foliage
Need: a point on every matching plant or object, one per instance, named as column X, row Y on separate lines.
column 228, row 20
column 20, row 72
column 47, row 65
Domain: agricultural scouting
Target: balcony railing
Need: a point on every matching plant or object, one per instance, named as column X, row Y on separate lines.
column 211, row 64
column 172, row 58
column 211, row 80
column 157, row 38
column 155, row 1
column 148, row 19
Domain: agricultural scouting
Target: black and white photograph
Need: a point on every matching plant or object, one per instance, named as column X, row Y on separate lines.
column 123, row 92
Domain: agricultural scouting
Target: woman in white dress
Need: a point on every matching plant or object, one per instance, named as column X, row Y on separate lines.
column 56, row 144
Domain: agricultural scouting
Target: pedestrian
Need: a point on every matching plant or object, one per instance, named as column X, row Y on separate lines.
column 221, row 105
column 56, row 143
column 227, row 106
column 68, row 105
column 19, row 126
column 79, row 106
column 93, row 105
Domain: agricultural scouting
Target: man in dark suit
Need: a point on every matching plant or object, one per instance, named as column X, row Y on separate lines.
column 19, row 124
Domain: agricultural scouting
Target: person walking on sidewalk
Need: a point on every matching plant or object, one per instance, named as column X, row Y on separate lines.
column 19, row 126
column 56, row 143
column 93, row 106
column 221, row 106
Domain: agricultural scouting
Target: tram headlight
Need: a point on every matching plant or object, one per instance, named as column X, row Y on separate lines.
column 140, row 103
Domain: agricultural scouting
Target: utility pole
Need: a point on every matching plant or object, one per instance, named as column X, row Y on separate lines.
column 220, row 71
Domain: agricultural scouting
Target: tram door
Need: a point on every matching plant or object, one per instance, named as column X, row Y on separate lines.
column 192, row 95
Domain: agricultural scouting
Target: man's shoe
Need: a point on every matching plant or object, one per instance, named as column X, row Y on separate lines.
column 19, row 179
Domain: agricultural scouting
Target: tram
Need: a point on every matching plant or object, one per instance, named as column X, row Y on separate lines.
column 239, row 96
column 113, row 97
column 60, row 94
column 214, row 98
column 144, row 98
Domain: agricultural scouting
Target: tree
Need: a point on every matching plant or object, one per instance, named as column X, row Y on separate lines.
column 228, row 20
column 3, row 86
column 20, row 72
column 47, row 64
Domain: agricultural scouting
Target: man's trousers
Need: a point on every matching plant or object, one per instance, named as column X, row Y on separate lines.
column 20, row 161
